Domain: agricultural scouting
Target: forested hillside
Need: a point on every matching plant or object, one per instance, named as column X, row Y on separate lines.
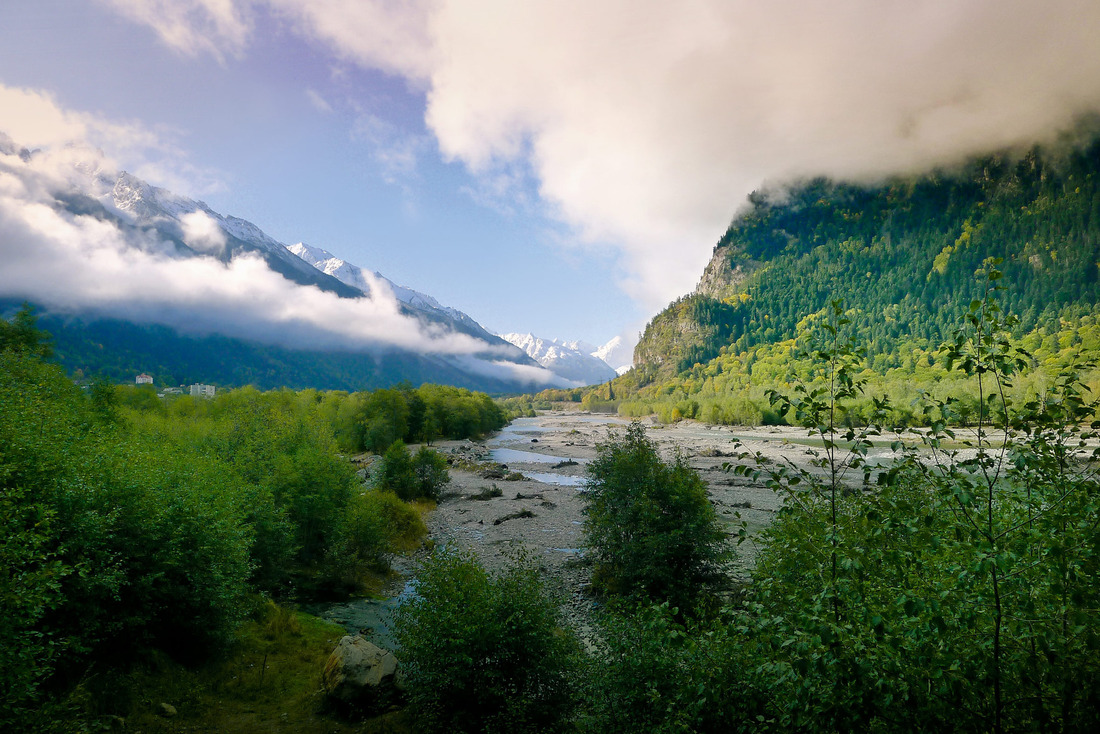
column 118, row 350
column 902, row 255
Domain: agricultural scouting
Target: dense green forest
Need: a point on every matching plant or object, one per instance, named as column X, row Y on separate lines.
column 132, row 522
column 902, row 255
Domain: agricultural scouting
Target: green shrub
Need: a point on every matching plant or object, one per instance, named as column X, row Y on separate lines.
column 413, row 477
column 653, row 673
column 650, row 528
column 396, row 471
column 482, row 652
column 111, row 538
column 430, row 468
column 959, row 594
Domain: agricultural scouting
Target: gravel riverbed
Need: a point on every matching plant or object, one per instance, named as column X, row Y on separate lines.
column 497, row 515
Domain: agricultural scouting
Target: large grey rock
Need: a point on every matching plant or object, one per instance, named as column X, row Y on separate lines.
column 362, row 675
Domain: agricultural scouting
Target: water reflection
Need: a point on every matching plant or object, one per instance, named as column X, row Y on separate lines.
column 551, row 478
column 506, row 456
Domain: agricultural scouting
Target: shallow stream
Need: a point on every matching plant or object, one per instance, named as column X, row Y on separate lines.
column 373, row 618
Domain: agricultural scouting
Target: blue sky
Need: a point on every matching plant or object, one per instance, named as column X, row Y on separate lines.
column 562, row 167
column 297, row 142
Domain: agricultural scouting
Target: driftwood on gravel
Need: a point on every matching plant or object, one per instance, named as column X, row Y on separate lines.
column 522, row 514
column 488, row 493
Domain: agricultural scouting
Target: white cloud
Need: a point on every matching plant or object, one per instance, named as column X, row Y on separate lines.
column 35, row 119
column 391, row 35
column 395, row 151
column 217, row 27
column 84, row 264
column 202, row 233
column 319, row 102
column 646, row 122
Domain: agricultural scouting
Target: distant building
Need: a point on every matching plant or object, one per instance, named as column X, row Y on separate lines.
column 198, row 390
column 144, row 379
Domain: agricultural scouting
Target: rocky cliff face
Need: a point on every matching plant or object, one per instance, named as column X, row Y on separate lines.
column 686, row 330
column 725, row 273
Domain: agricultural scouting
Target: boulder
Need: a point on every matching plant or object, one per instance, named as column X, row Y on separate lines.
column 361, row 675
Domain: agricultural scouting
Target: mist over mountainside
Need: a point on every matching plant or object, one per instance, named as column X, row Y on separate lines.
column 575, row 361
column 354, row 276
column 118, row 350
column 902, row 254
column 90, row 245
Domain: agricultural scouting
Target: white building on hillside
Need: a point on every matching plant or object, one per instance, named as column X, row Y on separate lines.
column 198, row 390
column 144, row 379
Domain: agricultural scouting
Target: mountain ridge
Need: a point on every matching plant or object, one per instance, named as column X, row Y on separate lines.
column 135, row 220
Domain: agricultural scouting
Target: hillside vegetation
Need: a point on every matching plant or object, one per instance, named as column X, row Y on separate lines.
column 138, row 529
column 902, row 255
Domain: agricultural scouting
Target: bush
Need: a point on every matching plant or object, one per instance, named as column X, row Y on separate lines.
column 396, row 471
column 430, row 468
column 413, row 477
column 650, row 527
column 484, row 653
column 959, row 595
column 653, row 673
column 110, row 539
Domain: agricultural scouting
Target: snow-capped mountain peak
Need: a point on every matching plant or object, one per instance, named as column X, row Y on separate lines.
column 329, row 264
column 616, row 353
column 353, row 275
column 572, row 360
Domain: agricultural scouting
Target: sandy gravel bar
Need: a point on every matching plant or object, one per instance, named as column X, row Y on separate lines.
column 543, row 519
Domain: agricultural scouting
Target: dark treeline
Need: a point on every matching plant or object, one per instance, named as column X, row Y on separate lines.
column 130, row 522
column 117, row 350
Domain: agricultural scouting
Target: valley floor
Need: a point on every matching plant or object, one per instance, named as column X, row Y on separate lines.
column 541, row 515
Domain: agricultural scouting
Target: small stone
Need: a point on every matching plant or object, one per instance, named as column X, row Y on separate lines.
column 166, row 710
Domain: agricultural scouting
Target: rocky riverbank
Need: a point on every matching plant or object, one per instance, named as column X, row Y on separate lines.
column 522, row 491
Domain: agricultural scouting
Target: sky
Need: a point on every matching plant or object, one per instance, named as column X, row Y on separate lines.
column 561, row 167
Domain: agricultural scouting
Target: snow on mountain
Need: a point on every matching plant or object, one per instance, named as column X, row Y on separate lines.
column 195, row 225
column 572, row 360
column 201, row 229
column 327, row 262
column 616, row 353
column 118, row 249
column 352, row 275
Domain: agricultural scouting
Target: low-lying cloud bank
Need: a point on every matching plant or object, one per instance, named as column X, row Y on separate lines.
column 647, row 121
column 105, row 265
